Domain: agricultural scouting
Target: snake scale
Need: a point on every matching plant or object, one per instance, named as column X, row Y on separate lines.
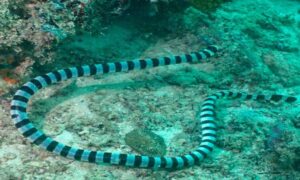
column 207, row 114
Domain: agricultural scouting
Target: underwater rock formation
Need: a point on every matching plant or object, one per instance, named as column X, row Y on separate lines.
column 207, row 6
column 146, row 142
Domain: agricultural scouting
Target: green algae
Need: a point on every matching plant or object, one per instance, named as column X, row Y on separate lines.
column 146, row 142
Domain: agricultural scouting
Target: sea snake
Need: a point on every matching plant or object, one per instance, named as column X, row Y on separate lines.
column 206, row 117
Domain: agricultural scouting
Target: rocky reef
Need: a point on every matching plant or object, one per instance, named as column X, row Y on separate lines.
column 259, row 40
column 207, row 6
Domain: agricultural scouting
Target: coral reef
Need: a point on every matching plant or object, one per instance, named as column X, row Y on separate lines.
column 260, row 52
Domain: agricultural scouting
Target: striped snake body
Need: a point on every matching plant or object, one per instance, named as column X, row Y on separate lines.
column 206, row 118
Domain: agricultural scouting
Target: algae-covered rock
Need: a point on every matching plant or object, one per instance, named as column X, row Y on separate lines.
column 182, row 79
column 207, row 6
column 146, row 142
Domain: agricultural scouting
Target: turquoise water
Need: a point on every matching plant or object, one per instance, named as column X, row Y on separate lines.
column 189, row 108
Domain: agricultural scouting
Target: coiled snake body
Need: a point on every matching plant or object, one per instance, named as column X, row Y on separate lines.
column 206, row 118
